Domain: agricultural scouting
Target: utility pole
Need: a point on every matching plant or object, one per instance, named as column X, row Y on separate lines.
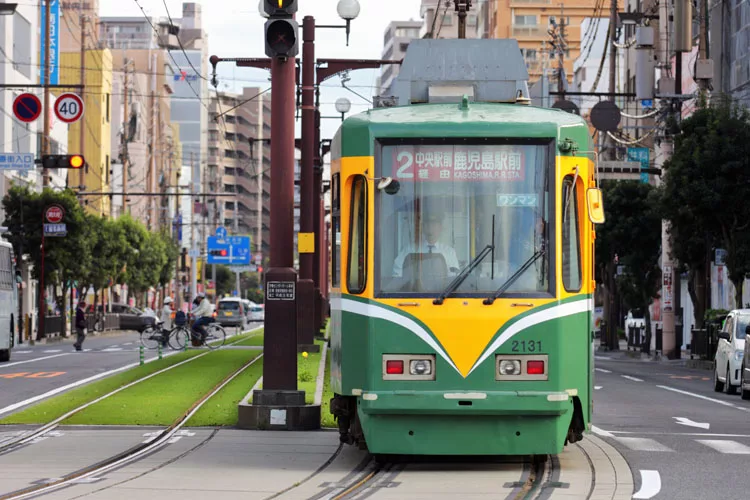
column 82, row 121
column 153, row 144
column 178, row 226
column 462, row 7
column 612, row 321
column 306, row 284
column 193, row 249
column 124, row 141
column 562, row 46
column 45, row 111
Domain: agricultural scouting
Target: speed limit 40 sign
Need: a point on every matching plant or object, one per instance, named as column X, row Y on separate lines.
column 69, row 108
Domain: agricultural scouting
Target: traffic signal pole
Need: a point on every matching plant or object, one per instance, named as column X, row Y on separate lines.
column 279, row 405
column 306, row 325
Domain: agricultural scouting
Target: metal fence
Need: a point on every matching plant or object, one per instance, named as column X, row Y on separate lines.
column 54, row 326
column 637, row 339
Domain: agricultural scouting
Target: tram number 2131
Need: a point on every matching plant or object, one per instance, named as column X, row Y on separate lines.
column 526, row 346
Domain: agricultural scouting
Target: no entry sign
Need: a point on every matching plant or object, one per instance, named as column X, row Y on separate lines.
column 69, row 108
column 27, row 107
column 54, row 214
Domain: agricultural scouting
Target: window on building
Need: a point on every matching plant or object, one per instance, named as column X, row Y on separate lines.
column 472, row 20
column 22, row 45
column 529, row 54
column 107, row 106
column 447, row 19
column 107, row 169
column 524, row 20
column 356, row 277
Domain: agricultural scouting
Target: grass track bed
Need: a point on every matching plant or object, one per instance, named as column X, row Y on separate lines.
column 162, row 399
column 255, row 339
column 221, row 410
column 48, row 410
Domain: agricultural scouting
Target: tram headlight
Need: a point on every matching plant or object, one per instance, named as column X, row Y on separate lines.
column 510, row 367
column 420, row 367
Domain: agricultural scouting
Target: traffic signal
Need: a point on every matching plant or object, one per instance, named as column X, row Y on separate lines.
column 280, row 8
column 282, row 31
column 282, row 41
column 218, row 253
column 63, row 161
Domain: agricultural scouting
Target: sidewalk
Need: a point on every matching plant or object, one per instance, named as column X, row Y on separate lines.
column 635, row 354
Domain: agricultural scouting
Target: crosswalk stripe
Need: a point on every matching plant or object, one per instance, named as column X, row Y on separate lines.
column 643, row 444
column 725, row 446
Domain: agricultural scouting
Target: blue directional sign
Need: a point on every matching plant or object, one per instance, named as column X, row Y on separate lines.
column 232, row 250
column 641, row 155
column 16, row 161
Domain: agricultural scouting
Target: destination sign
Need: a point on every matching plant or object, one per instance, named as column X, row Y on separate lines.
column 460, row 163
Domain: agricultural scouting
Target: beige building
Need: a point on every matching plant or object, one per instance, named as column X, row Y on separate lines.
column 239, row 162
column 528, row 21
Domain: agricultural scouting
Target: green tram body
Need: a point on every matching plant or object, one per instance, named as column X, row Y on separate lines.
column 459, row 413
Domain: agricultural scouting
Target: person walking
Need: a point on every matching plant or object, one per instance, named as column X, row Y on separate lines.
column 80, row 325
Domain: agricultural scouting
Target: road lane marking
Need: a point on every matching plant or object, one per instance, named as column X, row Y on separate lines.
column 632, row 378
column 597, row 387
column 52, row 350
column 16, row 363
column 642, row 444
column 32, row 375
column 688, row 422
column 22, row 352
column 728, row 447
column 112, row 349
column 603, row 370
column 693, row 434
column 650, row 485
column 601, row 432
column 706, row 398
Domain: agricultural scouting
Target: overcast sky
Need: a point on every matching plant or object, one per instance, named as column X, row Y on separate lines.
column 235, row 29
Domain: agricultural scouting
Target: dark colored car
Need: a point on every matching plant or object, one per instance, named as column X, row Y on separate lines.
column 131, row 318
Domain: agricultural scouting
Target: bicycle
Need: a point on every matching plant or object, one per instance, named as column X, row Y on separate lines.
column 154, row 335
column 180, row 335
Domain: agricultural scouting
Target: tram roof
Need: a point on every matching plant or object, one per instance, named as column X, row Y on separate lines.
column 477, row 120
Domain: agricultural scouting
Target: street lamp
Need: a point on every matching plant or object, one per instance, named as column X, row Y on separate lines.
column 343, row 105
column 348, row 10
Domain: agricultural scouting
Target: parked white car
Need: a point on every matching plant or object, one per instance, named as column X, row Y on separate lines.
column 731, row 351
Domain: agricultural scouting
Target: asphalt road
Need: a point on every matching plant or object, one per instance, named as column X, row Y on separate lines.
column 681, row 439
column 39, row 371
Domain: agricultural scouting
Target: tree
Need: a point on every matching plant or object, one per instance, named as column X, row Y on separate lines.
column 631, row 234
column 705, row 192
column 225, row 281
column 65, row 258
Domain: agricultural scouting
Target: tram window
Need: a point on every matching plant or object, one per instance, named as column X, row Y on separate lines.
column 571, row 248
column 357, row 261
column 336, row 230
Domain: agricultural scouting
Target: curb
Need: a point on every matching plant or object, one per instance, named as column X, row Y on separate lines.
column 612, row 477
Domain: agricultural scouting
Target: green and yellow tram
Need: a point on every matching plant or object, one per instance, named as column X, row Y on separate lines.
column 462, row 279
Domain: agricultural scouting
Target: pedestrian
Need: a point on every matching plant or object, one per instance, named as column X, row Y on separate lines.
column 80, row 325
column 166, row 320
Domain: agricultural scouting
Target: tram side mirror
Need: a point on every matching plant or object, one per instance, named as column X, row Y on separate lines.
column 389, row 185
column 595, row 205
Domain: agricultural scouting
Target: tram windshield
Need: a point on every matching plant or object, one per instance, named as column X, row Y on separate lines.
column 438, row 217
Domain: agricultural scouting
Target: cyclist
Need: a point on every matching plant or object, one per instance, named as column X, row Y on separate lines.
column 202, row 314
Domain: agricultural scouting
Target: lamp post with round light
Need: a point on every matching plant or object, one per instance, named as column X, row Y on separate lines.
column 343, row 105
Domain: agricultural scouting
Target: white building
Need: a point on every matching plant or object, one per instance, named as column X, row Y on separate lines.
column 396, row 40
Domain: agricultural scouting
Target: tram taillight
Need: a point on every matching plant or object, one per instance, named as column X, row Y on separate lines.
column 535, row 367
column 394, row 367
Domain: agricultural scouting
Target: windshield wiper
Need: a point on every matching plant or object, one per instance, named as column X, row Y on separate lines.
column 469, row 268
column 463, row 275
column 512, row 279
